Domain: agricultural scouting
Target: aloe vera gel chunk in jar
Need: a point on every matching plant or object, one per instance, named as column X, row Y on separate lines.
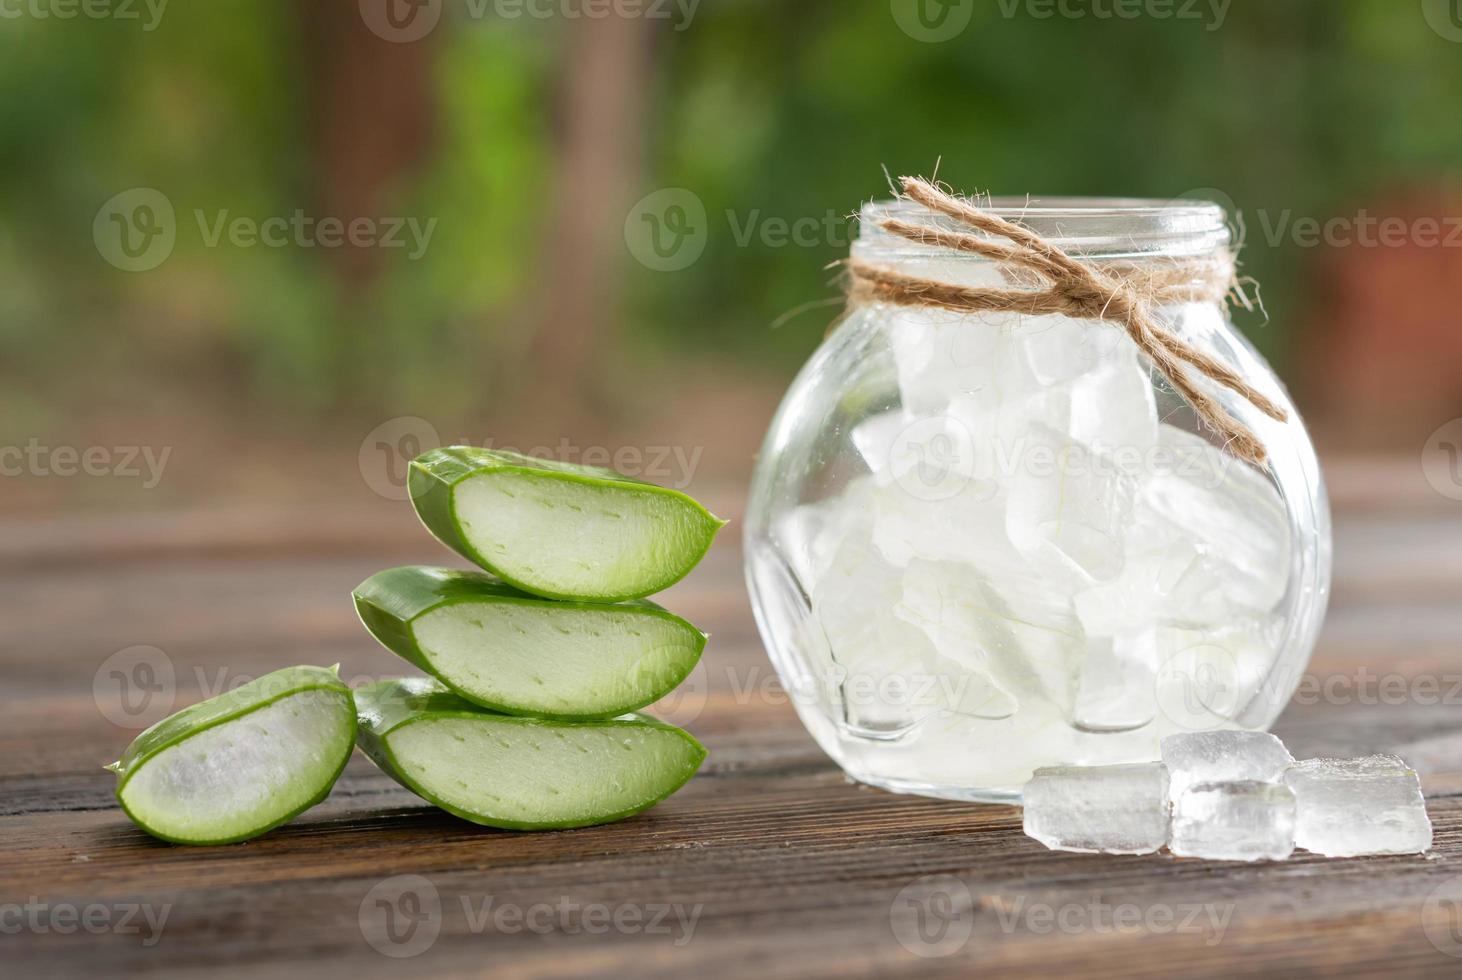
column 983, row 541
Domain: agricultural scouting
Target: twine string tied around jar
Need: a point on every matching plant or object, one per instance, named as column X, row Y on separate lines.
column 1122, row 293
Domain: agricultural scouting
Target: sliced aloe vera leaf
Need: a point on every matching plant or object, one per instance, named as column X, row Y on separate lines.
column 560, row 530
column 512, row 652
column 520, row 773
column 240, row 764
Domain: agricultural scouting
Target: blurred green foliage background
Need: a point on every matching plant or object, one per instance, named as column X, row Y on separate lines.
column 761, row 108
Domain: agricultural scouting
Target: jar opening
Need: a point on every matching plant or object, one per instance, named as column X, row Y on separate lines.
column 1091, row 227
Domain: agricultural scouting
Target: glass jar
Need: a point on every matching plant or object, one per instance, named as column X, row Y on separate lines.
column 982, row 543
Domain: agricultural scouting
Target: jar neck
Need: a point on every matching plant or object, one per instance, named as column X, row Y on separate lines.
column 1090, row 229
column 1174, row 258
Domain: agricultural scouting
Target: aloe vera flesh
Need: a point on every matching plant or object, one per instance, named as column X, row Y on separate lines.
column 520, row 773
column 560, row 530
column 516, row 653
column 240, row 764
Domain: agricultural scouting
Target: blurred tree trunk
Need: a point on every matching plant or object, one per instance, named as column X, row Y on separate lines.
column 605, row 77
column 369, row 118
column 370, row 111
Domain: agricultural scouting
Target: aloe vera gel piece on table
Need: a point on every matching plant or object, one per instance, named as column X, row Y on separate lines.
column 237, row 765
column 520, row 773
column 516, row 653
column 560, row 530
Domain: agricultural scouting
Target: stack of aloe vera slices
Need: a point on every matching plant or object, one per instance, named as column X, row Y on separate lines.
column 528, row 720
column 538, row 663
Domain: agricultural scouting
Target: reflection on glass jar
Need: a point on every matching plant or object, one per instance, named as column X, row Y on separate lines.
column 981, row 543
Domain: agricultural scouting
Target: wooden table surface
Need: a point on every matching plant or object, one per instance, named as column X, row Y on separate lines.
column 768, row 863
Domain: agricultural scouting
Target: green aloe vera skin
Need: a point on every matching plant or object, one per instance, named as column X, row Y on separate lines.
column 520, row 773
column 238, row 765
column 560, row 530
column 515, row 653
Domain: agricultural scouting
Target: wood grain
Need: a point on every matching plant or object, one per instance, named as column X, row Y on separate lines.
column 781, row 866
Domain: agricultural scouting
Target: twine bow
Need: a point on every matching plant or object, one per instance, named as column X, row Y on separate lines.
column 1124, row 294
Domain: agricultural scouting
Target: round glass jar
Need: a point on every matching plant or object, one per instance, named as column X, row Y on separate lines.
column 982, row 543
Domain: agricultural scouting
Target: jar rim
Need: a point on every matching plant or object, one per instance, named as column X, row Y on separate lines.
column 1093, row 227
